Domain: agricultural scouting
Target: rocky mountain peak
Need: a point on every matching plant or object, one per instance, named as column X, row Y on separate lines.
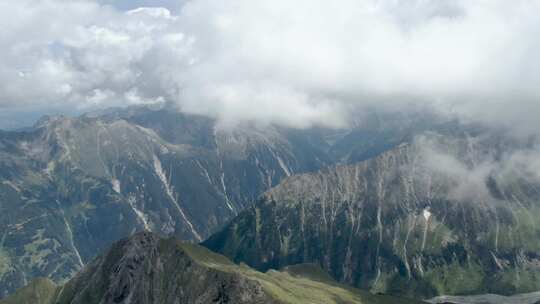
column 147, row 269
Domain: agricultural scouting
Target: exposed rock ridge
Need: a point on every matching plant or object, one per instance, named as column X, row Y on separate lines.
column 147, row 269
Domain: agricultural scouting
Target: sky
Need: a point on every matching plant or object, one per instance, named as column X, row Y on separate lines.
column 294, row 63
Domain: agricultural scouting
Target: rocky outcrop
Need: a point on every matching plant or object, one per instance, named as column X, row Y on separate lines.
column 147, row 269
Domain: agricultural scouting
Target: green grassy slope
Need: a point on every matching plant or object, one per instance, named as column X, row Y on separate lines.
column 146, row 261
column 297, row 284
column 39, row 291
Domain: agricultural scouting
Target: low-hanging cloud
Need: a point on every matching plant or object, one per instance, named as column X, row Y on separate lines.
column 465, row 166
column 296, row 63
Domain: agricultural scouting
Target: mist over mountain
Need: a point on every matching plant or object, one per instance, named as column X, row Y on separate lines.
column 444, row 214
column 388, row 145
column 401, row 203
column 72, row 186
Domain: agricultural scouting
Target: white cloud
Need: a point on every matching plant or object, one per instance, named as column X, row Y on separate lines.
column 290, row 62
column 464, row 165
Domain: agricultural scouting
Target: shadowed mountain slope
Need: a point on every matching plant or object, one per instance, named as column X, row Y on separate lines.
column 443, row 215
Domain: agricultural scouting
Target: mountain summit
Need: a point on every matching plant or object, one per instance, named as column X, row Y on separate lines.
column 148, row 269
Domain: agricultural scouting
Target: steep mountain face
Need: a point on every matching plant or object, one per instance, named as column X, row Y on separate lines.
column 148, row 269
column 447, row 214
column 69, row 187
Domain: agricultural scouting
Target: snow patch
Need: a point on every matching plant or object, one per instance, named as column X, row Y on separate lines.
column 12, row 185
column 283, row 166
column 116, row 185
column 427, row 214
column 70, row 236
column 281, row 163
column 140, row 215
column 222, row 177
column 170, row 193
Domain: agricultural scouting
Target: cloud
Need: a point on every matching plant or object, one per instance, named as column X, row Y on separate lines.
column 463, row 167
column 457, row 164
column 125, row 5
column 296, row 63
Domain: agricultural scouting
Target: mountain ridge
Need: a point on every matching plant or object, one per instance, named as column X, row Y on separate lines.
column 145, row 268
column 403, row 222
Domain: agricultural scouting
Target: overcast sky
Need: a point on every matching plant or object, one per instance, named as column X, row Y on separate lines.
column 125, row 5
column 295, row 63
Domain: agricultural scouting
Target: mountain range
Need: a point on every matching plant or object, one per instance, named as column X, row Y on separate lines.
column 71, row 186
column 403, row 204
column 426, row 218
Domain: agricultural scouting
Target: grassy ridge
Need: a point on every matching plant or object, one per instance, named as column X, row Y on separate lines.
column 296, row 284
column 299, row 284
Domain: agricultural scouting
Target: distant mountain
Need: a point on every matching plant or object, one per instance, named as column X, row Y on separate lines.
column 69, row 187
column 449, row 213
column 149, row 269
